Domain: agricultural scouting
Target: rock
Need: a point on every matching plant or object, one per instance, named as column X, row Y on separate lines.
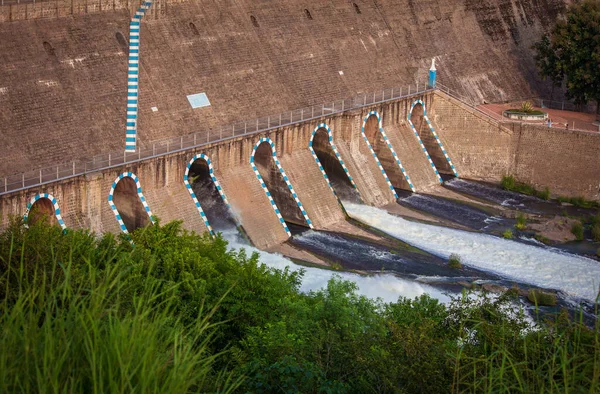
column 494, row 288
column 541, row 298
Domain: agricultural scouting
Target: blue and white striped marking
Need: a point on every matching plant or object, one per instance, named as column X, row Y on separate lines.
column 211, row 171
column 133, row 77
column 362, row 130
column 437, row 139
column 391, row 148
column 285, row 178
column 61, row 222
column 140, row 195
column 335, row 151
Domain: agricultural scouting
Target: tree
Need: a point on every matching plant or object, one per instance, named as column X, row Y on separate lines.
column 572, row 53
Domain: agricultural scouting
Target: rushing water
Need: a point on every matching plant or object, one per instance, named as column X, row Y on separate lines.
column 463, row 214
column 386, row 286
column 575, row 275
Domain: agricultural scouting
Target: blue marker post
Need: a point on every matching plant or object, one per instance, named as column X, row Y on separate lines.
column 432, row 74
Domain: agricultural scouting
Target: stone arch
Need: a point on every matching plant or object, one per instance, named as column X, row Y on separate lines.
column 188, row 186
column 38, row 198
column 324, row 126
column 379, row 127
column 415, row 107
column 138, row 190
column 285, row 178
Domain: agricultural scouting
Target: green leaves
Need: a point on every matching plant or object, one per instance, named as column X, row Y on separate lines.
column 572, row 52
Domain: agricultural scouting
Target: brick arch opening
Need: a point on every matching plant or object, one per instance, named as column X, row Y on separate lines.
column 385, row 152
column 332, row 166
column 208, row 195
column 129, row 204
column 41, row 210
column 277, row 185
column 433, row 146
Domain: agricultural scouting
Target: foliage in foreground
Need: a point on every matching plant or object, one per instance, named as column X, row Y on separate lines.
column 182, row 313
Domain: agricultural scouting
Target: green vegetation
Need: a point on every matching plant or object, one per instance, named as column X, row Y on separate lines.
column 181, row 313
column 509, row 183
column 526, row 109
column 542, row 239
column 577, row 230
column 455, row 261
column 579, row 202
column 541, row 298
column 595, row 223
column 571, row 52
column 521, row 222
column 507, row 234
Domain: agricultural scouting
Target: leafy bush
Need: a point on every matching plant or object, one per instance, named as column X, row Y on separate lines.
column 508, row 182
column 526, row 107
column 595, row 222
column 577, row 230
column 182, row 313
column 521, row 222
column 455, row 261
column 507, row 234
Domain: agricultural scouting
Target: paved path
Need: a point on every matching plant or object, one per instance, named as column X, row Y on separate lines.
column 560, row 119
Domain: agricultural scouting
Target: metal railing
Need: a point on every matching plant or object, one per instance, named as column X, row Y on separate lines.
column 564, row 105
column 103, row 161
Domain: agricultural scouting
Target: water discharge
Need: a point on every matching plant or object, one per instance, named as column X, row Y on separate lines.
column 386, row 286
column 575, row 275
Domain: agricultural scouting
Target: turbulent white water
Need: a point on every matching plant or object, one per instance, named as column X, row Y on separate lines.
column 575, row 275
column 385, row 286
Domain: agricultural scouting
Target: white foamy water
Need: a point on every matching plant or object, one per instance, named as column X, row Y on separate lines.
column 575, row 275
column 385, row 286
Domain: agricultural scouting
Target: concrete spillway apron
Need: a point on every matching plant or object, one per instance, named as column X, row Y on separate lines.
column 188, row 186
column 133, row 77
column 437, row 139
column 390, row 147
column 285, row 178
column 335, row 151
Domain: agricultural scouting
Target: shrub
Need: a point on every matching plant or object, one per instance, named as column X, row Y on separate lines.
column 521, row 222
column 507, row 234
column 508, row 182
column 526, row 107
column 544, row 194
column 541, row 298
column 455, row 261
column 577, row 230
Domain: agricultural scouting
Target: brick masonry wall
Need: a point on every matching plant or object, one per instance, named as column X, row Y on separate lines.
column 68, row 101
column 568, row 162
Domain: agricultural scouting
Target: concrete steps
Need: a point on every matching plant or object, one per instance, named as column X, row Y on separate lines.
column 251, row 206
column 363, row 168
column 319, row 202
column 411, row 155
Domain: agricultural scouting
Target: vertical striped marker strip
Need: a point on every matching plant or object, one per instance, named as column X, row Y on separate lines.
column 437, row 139
column 412, row 126
column 133, row 77
column 391, row 148
column 139, row 193
column 285, row 178
column 335, row 151
column 61, row 222
column 376, row 158
column 211, row 171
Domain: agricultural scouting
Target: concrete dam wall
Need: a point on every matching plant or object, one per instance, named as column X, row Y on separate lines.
column 291, row 174
column 63, row 74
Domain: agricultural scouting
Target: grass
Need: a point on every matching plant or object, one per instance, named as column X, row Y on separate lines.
column 541, row 298
column 579, row 201
column 455, row 261
column 521, row 222
column 577, row 230
column 595, row 224
column 542, row 239
column 509, row 183
column 507, row 234
column 181, row 313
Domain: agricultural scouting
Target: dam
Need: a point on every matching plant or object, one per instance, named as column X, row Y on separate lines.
column 117, row 114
